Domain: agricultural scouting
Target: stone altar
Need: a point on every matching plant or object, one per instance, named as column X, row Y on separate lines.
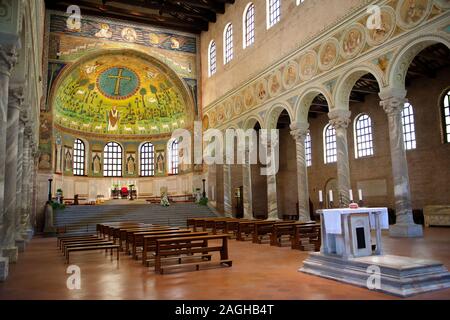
column 347, row 255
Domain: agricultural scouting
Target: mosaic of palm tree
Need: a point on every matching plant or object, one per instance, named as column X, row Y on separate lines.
column 120, row 93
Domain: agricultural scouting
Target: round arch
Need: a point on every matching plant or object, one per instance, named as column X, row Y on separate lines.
column 251, row 121
column 401, row 62
column 347, row 81
column 305, row 101
column 273, row 114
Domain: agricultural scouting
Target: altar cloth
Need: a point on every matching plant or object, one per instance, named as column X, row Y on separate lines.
column 332, row 218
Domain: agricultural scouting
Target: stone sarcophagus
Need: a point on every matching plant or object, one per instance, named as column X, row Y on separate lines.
column 436, row 215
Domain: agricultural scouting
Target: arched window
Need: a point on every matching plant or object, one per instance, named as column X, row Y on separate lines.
column 112, row 158
column 249, row 25
column 329, row 144
column 308, row 150
column 409, row 129
column 212, row 58
column 147, row 157
column 363, row 136
column 446, row 117
column 273, row 12
column 79, row 158
column 228, row 43
column 173, row 157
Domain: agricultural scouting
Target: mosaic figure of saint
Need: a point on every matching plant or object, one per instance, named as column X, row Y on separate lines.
column 113, row 119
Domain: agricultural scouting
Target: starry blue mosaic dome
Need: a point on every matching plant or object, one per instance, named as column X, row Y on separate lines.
column 118, row 82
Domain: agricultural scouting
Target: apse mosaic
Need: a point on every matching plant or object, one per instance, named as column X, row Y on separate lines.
column 120, row 93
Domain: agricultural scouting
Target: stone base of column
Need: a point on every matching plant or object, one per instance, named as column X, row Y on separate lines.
column 4, row 268
column 28, row 235
column 406, row 230
column 11, row 253
column 20, row 244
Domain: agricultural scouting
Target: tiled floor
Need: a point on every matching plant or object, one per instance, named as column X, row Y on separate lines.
column 258, row 272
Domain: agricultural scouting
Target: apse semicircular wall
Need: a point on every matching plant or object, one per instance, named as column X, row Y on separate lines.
column 120, row 94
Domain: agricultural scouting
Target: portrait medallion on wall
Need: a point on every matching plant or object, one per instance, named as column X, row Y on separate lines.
column 411, row 13
column 104, row 31
column 290, row 74
column 386, row 26
column 275, row 83
column 220, row 114
column 129, row 34
column 261, row 90
column 353, row 41
column 249, row 97
column 238, row 105
column 228, row 109
column 328, row 54
column 308, row 65
column 212, row 118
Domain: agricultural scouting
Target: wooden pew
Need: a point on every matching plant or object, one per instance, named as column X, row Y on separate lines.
column 61, row 238
column 232, row 226
column 149, row 242
column 123, row 233
column 220, row 225
column 285, row 229
column 190, row 246
column 245, row 229
column 136, row 239
column 306, row 237
column 91, row 248
column 97, row 243
column 103, row 228
column 263, row 228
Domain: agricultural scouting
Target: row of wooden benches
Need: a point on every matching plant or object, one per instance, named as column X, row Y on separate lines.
column 155, row 244
column 302, row 236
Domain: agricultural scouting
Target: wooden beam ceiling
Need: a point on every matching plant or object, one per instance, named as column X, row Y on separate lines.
column 190, row 16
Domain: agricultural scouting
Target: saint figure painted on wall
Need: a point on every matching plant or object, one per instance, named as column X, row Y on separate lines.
column 113, row 119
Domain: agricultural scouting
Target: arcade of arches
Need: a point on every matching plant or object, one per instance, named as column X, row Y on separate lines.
column 362, row 114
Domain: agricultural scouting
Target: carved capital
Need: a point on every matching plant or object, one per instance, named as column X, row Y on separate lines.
column 28, row 131
column 8, row 58
column 393, row 105
column 24, row 116
column 15, row 96
column 299, row 131
column 339, row 118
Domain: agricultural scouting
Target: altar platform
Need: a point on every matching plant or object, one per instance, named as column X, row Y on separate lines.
column 398, row 275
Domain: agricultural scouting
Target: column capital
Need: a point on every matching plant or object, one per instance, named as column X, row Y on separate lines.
column 339, row 118
column 299, row 130
column 393, row 105
column 15, row 98
column 8, row 54
column 24, row 115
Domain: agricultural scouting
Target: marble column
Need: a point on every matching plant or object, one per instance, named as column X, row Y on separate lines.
column 404, row 226
column 8, row 59
column 227, row 198
column 28, row 163
column 20, row 242
column 340, row 119
column 15, row 98
column 272, row 200
column 299, row 131
column 247, row 185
